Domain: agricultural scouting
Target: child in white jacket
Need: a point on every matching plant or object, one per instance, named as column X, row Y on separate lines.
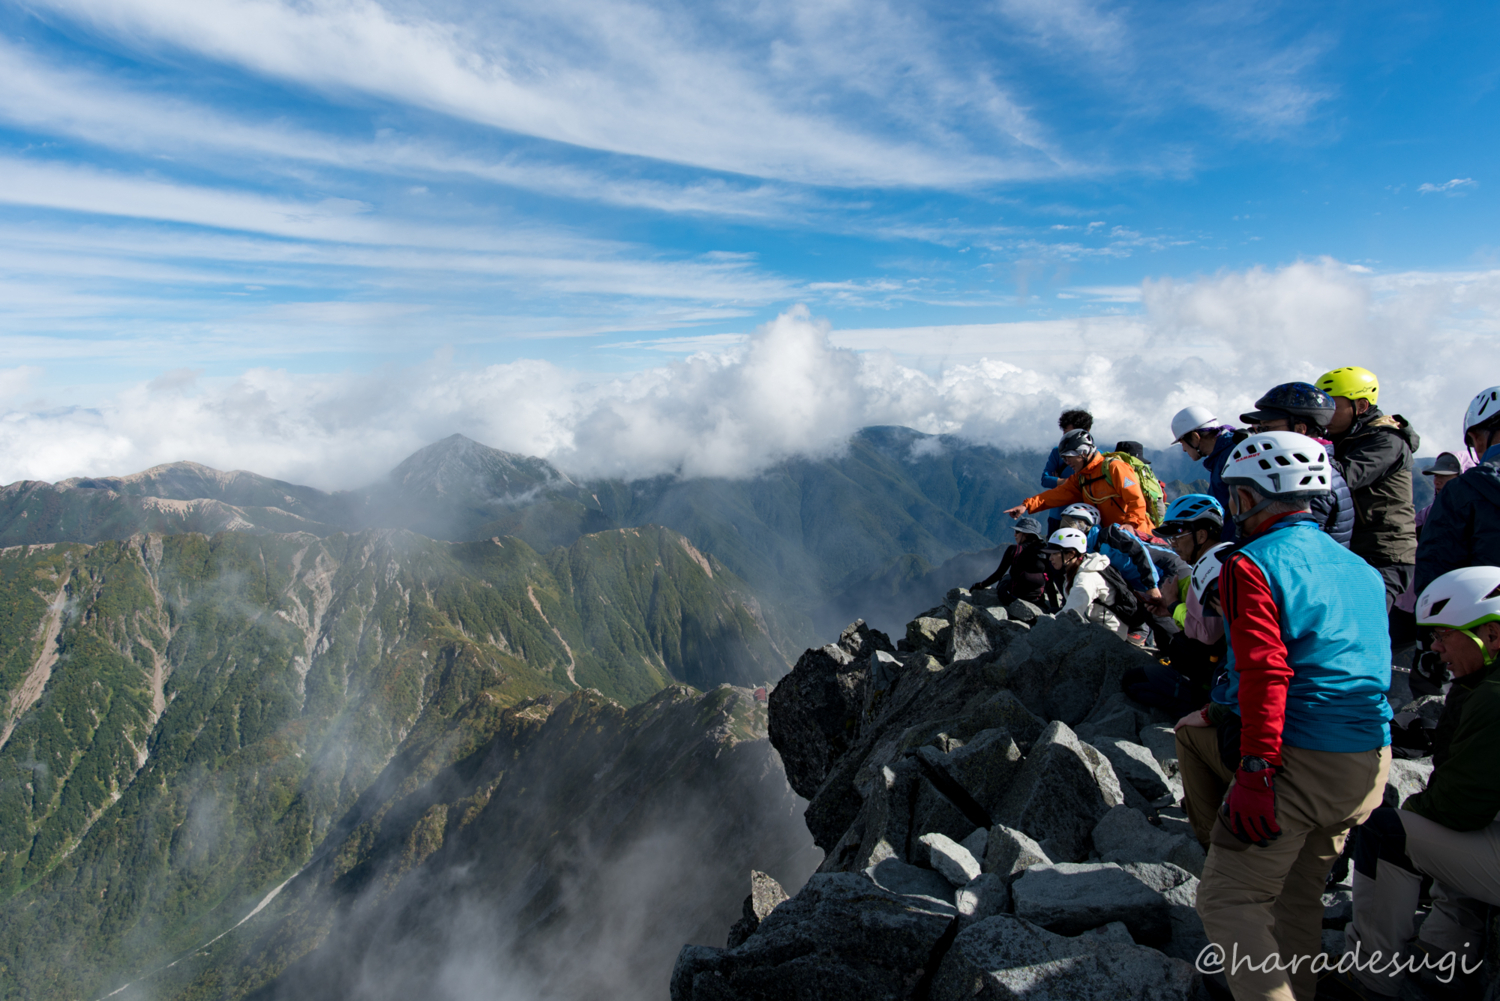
column 1081, row 581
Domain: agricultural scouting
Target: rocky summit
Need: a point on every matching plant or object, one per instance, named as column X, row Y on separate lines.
column 999, row 821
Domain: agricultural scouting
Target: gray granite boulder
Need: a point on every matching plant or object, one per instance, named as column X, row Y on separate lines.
column 983, row 897
column 1125, row 835
column 1408, row 777
column 909, row 880
column 1179, row 888
column 1069, row 898
column 951, row 859
column 1005, row 958
column 765, row 896
column 1008, row 853
column 1063, row 665
column 1064, row 787
column 1161, row 741
column 927, row 634
column 1135, row 765
column 982, row 769
column 842, row 938
column 1023, row 611
column 981, row 632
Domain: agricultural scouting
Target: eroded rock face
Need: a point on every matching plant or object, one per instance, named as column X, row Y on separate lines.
column 1001, row 853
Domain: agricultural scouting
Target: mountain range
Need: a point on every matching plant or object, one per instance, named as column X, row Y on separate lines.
column 467, row 708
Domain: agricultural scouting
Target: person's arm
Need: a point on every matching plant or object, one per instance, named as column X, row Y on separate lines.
column 1463, row 793
column 1050, row 471
column 1370, row 458
column 1254, row 624
column 1065, row 493
column 1128, row 543
column 1081, row 597
column 1005, row 562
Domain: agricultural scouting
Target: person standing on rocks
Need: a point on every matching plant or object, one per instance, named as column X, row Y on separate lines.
column 1201, row 436
column 1022, row 572
column 1085, row 582
column 1108, row 484
column 1449, row 831
column 1309, row 665
column 1306, row 409
column 1374, row 452
column 1055, row 471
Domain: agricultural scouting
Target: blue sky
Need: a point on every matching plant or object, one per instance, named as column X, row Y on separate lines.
column 193, row 190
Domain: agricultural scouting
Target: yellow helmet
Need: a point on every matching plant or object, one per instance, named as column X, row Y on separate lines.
column 1352, row 383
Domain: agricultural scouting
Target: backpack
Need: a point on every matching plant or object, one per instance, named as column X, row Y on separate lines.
column 1156, row 499
column 1124, row 604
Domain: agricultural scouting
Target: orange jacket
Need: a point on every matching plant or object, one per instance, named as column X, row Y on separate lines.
column 1114, row 490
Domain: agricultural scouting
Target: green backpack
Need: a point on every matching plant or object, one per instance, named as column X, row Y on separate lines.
column 1156, row 499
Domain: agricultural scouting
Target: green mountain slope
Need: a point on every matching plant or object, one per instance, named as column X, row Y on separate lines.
column 185, row 718
column 553, row 849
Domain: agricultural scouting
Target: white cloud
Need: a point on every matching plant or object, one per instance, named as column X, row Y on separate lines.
column 1457, row 186
column 629, row 78
column 796, row 386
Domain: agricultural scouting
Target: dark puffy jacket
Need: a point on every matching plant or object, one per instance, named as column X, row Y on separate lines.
column 1375, row 456
column 1463, row 526
column 1335, row 509
column 1228, row 438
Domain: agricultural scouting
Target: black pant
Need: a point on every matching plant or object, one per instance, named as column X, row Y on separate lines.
column 1398, row 580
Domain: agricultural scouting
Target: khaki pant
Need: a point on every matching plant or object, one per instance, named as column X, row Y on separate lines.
column 1465, row 867
column 1205, row 780
column 1264, row 906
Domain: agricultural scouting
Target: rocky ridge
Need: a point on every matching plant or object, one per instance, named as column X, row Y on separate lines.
column 1000, row 821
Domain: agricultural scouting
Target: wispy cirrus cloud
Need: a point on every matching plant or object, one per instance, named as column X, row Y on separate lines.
column 1457, row 186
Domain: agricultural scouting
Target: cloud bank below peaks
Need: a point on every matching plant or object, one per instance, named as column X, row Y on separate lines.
column 796, row 387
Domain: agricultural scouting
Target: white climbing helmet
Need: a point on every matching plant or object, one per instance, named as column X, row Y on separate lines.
column 1087, row 512
column 1206, row 570
column 1461, row 599
column 1282, row 465
column 1068, row 538
column 1193, row 418
column 1482, row 408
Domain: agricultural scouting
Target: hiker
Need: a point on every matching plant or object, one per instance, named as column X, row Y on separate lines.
column 1463, row 524
column 1022, row 572
column 1194, row 523
column 1085, row 583
column 1055, row 471
column 1428, row 675
column 1111, row 485
column 1126, row 552
column 1191, row 662
column 1201, row 436
column 1449, row 832
column 1374, row 452
column 1306, row 409
column 1308, row 668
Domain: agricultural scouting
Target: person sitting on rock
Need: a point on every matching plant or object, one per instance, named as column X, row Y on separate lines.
column 1134, row 559
column 1193, row 655
column 1449, row 832
column 1428, row 676
column 1022, row 572
column 1085, row 583
column 1108, row 484
column 1201, row 436
column 1055, row 471
column 1308, row 668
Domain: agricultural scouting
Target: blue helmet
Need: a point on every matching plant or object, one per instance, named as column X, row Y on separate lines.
column 1188, row 508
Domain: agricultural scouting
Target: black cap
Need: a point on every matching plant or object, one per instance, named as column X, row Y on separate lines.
column 1133, row 448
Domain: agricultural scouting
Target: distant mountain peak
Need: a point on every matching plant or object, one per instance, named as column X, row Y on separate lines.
column 458, row 465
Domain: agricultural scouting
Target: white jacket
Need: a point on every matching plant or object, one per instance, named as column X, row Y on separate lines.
column 1089, row 591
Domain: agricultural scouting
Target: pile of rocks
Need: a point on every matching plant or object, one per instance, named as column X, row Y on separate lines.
column 999, row 820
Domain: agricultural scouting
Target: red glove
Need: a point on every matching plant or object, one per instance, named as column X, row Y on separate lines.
column 1250, row 807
